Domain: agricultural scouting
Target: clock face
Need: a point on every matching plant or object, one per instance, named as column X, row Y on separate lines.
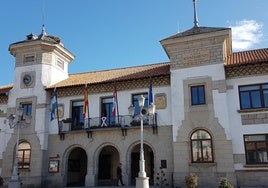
column 27, row 79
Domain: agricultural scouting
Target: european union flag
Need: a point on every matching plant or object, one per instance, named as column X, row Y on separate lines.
column 150, row 97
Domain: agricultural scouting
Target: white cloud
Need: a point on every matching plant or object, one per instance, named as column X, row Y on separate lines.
column 245, row 34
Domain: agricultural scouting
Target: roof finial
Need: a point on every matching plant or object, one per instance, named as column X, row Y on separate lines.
column 43, row 30
column 43, row 33
column 195, row 15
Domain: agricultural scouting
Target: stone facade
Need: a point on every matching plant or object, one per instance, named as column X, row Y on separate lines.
column 100, row 139
column 82, row 157
column 254, row 118
column 202, row 117
column 197, row 50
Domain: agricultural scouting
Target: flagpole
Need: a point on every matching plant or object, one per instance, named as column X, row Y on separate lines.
column 88, row 123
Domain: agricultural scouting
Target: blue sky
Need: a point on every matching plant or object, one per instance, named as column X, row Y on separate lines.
column 107, row 34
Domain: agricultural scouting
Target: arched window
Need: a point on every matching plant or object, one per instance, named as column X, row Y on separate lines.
column 201, row 147
column 24, row 155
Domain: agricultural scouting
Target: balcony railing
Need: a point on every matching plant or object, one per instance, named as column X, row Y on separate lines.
column 122, row 121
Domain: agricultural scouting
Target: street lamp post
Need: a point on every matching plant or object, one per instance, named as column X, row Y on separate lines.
column 14, row 121
column 142, row 181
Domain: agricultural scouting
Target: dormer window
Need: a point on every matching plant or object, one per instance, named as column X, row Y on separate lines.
column 29, row 58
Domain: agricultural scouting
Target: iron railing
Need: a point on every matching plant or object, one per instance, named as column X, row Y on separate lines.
column 122, row 121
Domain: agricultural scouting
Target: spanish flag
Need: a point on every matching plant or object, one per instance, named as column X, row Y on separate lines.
column 85, row 106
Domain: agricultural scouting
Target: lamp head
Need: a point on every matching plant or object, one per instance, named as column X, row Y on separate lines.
column 11, row 120
column 151, row 109
column 141, row 101
column 131, row 110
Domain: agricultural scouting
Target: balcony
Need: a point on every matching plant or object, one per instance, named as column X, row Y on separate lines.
column 102, row 123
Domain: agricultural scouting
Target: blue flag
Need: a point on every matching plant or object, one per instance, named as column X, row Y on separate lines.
column 150, row 97
column 54, row 105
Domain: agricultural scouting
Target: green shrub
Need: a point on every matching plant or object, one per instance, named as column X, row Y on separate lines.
column 224, row 183
column 191, row 180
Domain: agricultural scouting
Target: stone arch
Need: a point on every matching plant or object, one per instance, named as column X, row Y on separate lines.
column 75, row 165
column 133, row 156
column 200, row 128
column 107, row 159
column 65, row 155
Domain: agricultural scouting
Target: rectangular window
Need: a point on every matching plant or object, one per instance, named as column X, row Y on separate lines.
column 27, row 110
column 198, row 95
column 77, row 114
column 256, row 149
column 253, row 96
column 107, row 111
column 135, row 102
column 28, row 58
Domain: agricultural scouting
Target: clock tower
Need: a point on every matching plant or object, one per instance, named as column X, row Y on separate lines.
column 40, row 61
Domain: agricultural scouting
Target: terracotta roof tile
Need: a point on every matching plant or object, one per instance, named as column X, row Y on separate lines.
column 113, row 75
column 247, row 57
column 6, row 88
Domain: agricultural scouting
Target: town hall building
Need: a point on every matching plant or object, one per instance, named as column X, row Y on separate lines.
column 211, row 115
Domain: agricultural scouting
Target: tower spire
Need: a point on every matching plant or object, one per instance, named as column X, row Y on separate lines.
column 195, row 15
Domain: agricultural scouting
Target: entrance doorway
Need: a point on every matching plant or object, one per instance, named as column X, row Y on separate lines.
column 77, row 167
column 108, row 162
column 149, row 163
